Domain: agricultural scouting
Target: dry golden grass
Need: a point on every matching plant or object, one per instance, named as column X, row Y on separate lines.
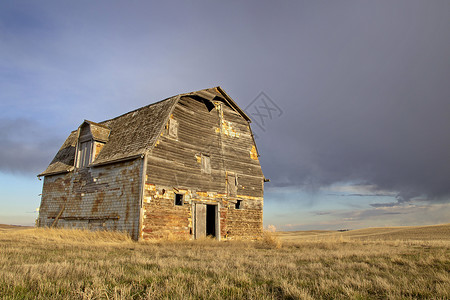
column 76, row 264
column 13, row 227
column 422, row 233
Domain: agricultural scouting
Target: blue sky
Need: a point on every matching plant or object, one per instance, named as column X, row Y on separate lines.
column 359, row 134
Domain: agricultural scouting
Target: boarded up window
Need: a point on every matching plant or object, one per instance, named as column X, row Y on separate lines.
column 84, row 154
column 206, row 164
column 96, row 224
column 172, row 128
column 232, row 184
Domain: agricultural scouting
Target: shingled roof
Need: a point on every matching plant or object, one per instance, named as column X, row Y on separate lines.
column 65, row 158
column 130, row 135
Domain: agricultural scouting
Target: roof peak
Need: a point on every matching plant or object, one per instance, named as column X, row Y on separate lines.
column 94, row 123
column 218, row 88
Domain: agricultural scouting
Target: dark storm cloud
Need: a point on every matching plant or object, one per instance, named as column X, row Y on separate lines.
column 376, row 105
column 362, row 86
column 26, row 147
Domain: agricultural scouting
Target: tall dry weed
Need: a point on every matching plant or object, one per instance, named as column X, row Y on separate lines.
column 270, row 240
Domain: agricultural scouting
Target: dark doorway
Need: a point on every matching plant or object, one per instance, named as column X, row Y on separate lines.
column 206, row 222
column 211, row 220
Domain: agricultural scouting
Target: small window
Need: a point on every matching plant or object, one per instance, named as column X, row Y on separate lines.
column 238, row 204
column 179, row 199
column 172, row 128
column 206, row 164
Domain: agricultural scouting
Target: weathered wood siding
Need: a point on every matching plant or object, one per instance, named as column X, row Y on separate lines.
column 104, row 197
column 175, row 166
column 240, row 159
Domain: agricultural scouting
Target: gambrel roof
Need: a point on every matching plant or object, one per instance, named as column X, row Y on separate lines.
column 130, row 135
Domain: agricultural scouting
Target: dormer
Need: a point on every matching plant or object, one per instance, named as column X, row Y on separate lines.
column 91, row 139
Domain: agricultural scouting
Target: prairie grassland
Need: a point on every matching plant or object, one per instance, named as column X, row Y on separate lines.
column 439, row 232
column 68, row 264
column 13, row 227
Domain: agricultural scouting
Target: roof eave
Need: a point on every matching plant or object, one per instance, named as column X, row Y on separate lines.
column 141, row 155
column 56, row 172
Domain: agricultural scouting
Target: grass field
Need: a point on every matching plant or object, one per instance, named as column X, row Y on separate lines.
column 379, row 263
column 422, row 233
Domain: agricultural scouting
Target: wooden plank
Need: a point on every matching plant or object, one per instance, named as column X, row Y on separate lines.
column 55, row 222
column 200, row 220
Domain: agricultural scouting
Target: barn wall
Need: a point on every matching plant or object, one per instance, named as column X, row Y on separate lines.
column 240, row 158
column 105, row 197
column 175, row 166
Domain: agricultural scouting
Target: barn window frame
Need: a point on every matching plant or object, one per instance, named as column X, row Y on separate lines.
column 178, row 199
column 172, row 128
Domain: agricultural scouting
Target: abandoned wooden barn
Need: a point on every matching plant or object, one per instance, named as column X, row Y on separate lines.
column 184, row 167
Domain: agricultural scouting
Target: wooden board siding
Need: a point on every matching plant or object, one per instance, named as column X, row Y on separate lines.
column 200, row 220
column 175, row 165
column 105, row 197
column 177, row 162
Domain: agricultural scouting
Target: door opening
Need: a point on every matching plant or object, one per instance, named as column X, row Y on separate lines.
column 206, row 220
column 211, row 220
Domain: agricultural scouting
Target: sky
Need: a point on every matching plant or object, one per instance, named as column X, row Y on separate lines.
column 350, row 100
